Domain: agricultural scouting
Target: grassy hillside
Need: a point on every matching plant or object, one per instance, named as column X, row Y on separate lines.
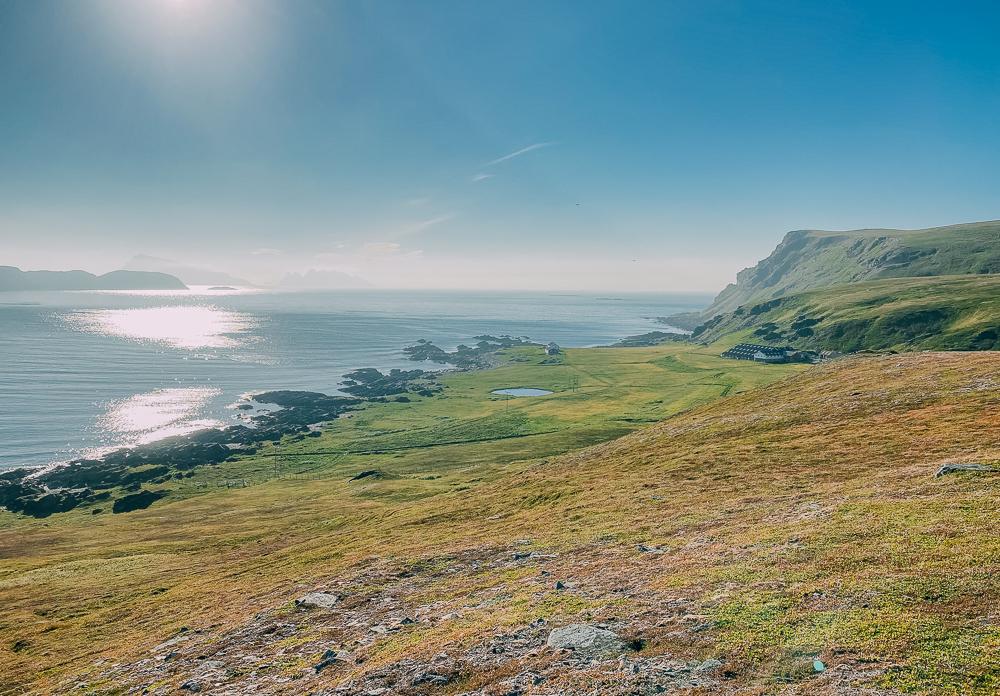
column 810, row 259
column 938, row 313
column 732, row 545
column 78, row 587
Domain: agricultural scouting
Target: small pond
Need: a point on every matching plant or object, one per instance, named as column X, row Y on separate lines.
column 521, row 391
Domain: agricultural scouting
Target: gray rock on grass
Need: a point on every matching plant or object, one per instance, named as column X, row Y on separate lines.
column 589, row 641
column 959, row 466
column 317, row 600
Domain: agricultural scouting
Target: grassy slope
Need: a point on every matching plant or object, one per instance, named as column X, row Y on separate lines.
column 939, row 313
column 801, row 519
column 809, row 259
column 78, row 587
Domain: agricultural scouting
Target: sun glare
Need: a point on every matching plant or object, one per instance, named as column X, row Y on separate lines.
column 179, row 327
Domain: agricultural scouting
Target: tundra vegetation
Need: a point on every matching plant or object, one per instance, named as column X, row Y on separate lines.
column 934, row 313
column 789, row 537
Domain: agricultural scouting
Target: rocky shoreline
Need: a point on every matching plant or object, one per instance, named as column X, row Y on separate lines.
column 62, row 488
column 43, row 492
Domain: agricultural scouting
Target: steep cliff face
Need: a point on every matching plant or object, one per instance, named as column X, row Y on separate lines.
column 809, row 259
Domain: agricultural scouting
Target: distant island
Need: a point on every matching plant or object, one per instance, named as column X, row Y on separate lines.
column 12, row 278
column 191, row 275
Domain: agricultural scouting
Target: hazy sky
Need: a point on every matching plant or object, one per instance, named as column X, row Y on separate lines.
column 606, row 145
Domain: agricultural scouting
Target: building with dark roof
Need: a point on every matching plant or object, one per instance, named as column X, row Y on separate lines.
column 757, row 353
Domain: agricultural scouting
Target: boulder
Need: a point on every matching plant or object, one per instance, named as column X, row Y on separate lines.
column 136, row 501
column 709, row 665
column 330, row 657
column 317, row 600
column 953, row 467
column 48, row 503
column 586, row 640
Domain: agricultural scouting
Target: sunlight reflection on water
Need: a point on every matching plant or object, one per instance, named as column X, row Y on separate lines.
column 189, row 327
column 157, row 414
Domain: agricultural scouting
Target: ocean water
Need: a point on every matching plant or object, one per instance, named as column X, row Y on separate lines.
column 85, row 372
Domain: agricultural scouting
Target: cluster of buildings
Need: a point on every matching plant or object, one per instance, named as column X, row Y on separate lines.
column 772, row 354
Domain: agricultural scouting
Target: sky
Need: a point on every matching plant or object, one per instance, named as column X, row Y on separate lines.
column 647, row 146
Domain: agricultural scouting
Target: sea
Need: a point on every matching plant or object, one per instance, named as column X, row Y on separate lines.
column 84, row 373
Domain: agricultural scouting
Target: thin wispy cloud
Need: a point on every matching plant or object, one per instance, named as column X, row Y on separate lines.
column 266, row 251
column 380, row 248
column 518, row 153
column 424, row 225
column 482, row 177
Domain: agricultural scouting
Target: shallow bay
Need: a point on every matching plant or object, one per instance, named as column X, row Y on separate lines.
column 84, row 372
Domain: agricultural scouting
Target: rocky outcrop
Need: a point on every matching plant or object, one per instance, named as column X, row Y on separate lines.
column 317, row 600
column 466, row 357
column 136, row 501
column 63, row 488
column 586, row 640
column 370, row 383
column 971, row 466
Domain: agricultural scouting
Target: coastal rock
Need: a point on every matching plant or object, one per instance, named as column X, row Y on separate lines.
column 36, row 501
column 373, row 384
column 586, row 640
column 45, row 505
column 465, row 357
column 14, row 474
column 63, row 488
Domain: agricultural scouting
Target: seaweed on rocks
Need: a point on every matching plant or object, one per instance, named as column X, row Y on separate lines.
column 483, row 354
column 62, row 488
column 369, row 383
column 80, row 481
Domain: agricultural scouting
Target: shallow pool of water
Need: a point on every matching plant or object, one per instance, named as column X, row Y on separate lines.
column 521, row 391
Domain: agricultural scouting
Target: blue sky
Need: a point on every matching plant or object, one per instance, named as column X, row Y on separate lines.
column 572, row 145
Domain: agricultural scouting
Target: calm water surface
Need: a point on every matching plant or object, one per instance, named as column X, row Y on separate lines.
column 522, row 391
column 84, row 372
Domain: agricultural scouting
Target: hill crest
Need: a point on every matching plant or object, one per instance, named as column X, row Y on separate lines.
column 812, row 259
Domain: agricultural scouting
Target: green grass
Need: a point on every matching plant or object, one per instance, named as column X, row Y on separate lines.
column 935, row 313
column 798, row 516
column 811, row 259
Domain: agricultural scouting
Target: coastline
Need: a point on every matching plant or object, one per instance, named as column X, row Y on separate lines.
column 62, row 486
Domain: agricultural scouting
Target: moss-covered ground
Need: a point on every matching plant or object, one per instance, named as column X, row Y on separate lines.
column 793, row 512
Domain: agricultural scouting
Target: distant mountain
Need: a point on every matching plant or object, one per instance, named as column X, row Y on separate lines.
column 191, row 275
column 12, row 278
column 808, row 259
column 321, row 280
